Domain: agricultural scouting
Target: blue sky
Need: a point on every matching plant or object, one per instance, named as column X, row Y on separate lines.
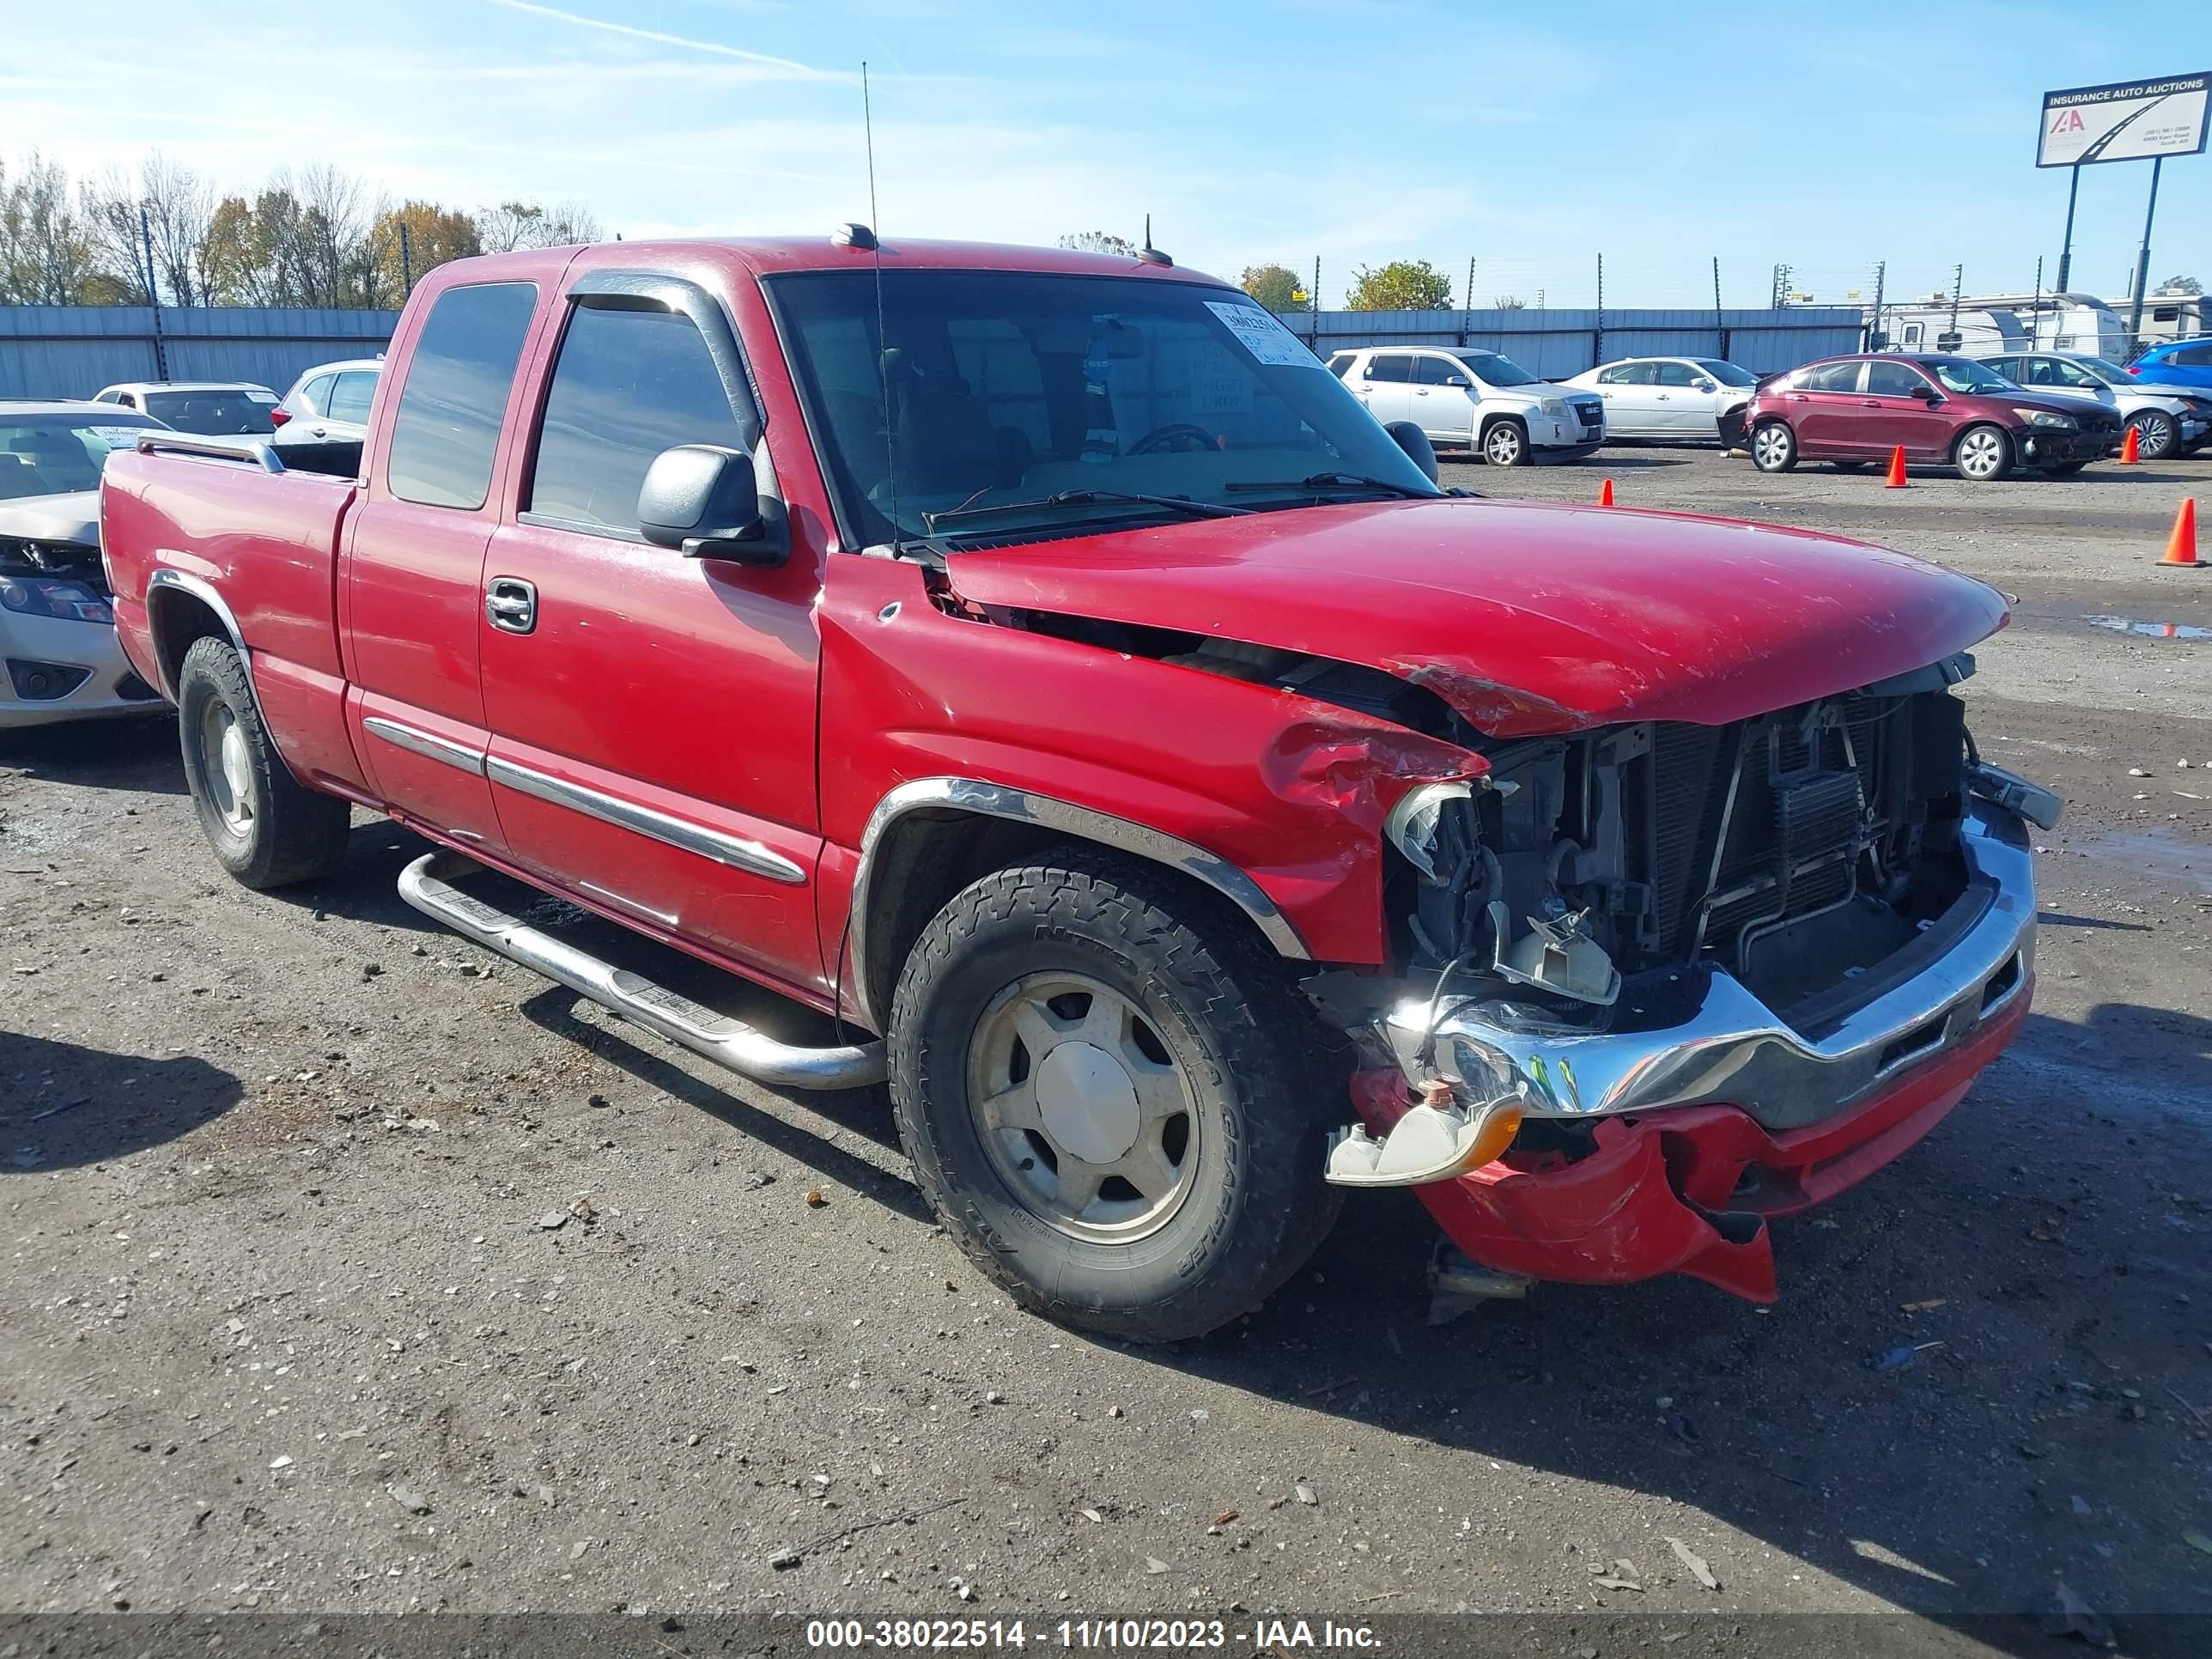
column 1531, row 138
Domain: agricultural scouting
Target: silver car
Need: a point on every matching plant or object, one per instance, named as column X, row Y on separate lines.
column 2168, row 420
column 59, row 658
column 207, row 409
column 330, row 403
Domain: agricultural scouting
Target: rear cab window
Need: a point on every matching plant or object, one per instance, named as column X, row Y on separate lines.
column 445, row 437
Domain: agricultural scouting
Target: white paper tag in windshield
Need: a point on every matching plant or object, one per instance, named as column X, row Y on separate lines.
column 1260, row 333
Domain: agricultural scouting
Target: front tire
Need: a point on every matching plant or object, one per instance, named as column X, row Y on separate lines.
column 1773, row 447
column 1111, row 1096
column 2156, row 437
column 1982, row 454
column 1505, row 443
column 265, row 829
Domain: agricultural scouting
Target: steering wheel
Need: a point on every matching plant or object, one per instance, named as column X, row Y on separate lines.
column 1179, row 437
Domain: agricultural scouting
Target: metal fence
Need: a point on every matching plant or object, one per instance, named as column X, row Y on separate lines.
column 1558, row 344
column 71, row 351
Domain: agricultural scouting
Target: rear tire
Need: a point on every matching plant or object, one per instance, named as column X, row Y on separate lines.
column 1982, row 454
column 265, row 829
column 1052, row 1012
column 1505, row 443
column 2156, row 435
column 1773, row 447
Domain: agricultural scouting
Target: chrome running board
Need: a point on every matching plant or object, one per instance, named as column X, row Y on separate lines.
column 427, row 885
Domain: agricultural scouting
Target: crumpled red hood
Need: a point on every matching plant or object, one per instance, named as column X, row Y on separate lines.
column 1527, row 618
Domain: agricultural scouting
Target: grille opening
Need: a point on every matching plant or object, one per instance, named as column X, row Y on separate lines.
column 1918, row 1041
column 2001, row 983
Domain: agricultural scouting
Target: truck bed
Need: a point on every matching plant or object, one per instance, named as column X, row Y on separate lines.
column 258, row 546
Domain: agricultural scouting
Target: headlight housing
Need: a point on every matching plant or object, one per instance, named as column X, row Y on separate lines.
column 55, row 596
column 2047, row 418
column 1555, row 407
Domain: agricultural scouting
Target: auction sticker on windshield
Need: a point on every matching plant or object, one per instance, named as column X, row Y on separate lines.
column 1260, row 333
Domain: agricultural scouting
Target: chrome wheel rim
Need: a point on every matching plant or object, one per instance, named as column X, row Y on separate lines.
column 227, row 767
column 1981, row 454
column 2152, row 434
column 1081, row 1108
column 1771, row 445
column 1503, row 447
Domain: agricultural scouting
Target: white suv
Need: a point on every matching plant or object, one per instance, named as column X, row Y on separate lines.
column 1464, row 398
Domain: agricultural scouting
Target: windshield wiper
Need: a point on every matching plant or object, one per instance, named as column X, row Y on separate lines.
column 1319, row 481
column 1182, row 504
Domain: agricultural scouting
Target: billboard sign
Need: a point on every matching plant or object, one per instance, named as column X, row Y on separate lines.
column 2128, row 121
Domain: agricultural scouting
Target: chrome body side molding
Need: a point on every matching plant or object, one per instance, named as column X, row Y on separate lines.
column 732, row 850
column 426, row 884
column 969, row 795
column 459, row 756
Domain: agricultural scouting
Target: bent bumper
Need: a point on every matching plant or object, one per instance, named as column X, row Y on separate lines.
column 1688, row 1191
column 1734, row 1050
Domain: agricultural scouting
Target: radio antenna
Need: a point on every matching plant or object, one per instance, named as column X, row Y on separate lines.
column 883, row 334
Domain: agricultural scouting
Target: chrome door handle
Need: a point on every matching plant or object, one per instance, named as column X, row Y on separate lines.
column 511, row 604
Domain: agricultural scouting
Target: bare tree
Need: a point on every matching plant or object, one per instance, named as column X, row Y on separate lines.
column 46, row 255
column 512, row 225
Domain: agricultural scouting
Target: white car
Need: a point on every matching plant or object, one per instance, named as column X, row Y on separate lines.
column 1697, row 399
column 61, row 660
column 329, row 404
column 207, row 409
column 1464, row 398
column 2168, row 420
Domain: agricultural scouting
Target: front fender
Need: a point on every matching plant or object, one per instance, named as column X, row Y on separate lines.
column 1286, row 792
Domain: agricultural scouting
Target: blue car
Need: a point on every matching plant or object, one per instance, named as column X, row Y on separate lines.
column 2178, row 363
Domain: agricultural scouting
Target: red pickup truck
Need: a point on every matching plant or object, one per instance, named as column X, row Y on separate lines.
column 1039, row 662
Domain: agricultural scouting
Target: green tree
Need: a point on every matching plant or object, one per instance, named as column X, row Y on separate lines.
column 47, row 255
column 1401, row 285
column 2180, row 285
column 1273, row 287
column 1100, row 241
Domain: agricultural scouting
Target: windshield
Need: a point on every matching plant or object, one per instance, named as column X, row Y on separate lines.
column 214, row 414
column 979, row 396
column 1726, row 373
column 1494, row 369
column 1964, row 374
column 57, row 457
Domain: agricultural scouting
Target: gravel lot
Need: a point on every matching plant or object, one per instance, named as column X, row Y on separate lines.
column 351, row 1269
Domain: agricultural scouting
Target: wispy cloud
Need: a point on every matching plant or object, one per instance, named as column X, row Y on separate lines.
column 791, row 66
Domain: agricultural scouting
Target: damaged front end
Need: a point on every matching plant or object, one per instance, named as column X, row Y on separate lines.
column 1663, row 980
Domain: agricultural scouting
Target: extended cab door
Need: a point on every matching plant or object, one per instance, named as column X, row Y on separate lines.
column 412, row 579
column 651, row 716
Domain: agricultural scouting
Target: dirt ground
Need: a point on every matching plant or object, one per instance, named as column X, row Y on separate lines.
column 352, row 1270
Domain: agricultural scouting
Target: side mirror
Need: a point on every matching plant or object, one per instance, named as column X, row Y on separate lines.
column 702, row 499
column 1415, row 443
column 1455, row 379
column 1932, row 396
column 1701, row 385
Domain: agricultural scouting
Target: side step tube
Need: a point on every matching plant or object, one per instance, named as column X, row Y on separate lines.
column 426, row 885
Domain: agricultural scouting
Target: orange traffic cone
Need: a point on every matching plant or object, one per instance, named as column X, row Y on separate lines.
column 2131, row 448
column 2181, row 546
column 1897, row 467
column 1605, row 494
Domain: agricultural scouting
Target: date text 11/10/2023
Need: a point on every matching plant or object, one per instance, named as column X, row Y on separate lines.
column 1118, row 1635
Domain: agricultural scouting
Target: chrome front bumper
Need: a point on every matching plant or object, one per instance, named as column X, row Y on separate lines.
column 1734, row 1050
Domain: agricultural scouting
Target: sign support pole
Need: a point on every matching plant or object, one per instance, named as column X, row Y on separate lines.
column 2142, row 259
column 2066, row 248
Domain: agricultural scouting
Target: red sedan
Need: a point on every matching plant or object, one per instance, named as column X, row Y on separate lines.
column 1942, row 410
